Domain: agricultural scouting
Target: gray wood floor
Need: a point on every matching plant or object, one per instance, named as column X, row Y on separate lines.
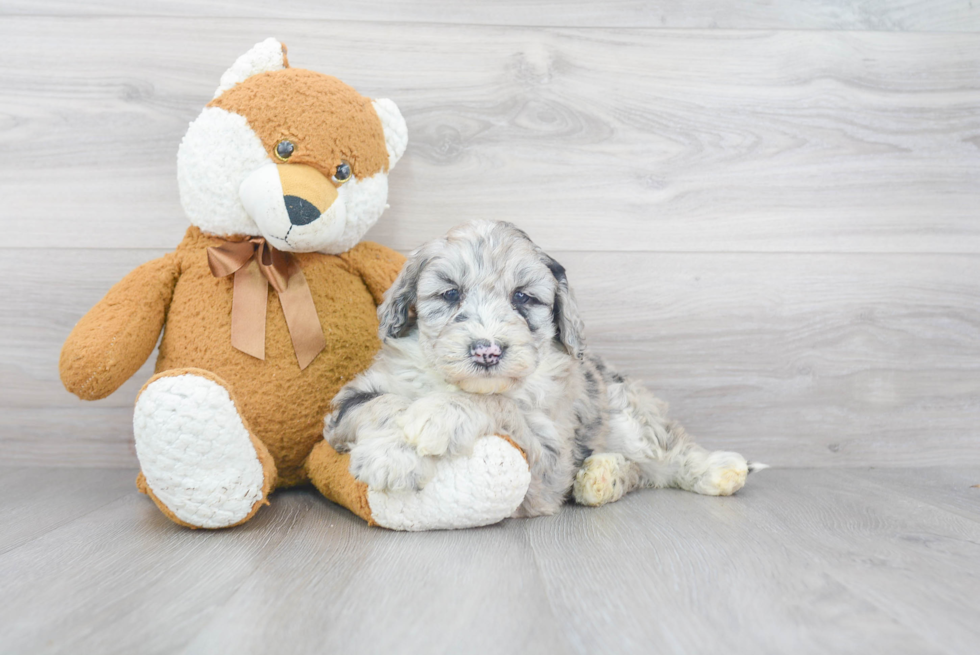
column 802, row 561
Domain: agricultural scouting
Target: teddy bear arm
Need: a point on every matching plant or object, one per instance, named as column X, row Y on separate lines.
column 116, row 336
column 377, row 265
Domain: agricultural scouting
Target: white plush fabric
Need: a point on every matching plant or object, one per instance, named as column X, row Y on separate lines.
column 262, row 58
column 218, row 152
column 465, row 492
column 395, row 129
column 195, row 453
column 364, row 202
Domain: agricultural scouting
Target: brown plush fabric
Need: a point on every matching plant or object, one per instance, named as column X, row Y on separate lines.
column 378, row 267
column 329, row 472
column 284, row 407
column 326, row 120
column 116, row 336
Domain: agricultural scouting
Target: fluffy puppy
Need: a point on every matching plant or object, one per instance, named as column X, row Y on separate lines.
column 481, row 336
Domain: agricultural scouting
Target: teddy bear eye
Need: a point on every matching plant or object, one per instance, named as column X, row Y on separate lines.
column 343, row 173
column 285, row 150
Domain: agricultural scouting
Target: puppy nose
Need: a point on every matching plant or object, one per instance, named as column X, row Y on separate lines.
column 485, row 353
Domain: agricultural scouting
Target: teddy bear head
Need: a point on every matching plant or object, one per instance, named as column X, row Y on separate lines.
column 294, row 156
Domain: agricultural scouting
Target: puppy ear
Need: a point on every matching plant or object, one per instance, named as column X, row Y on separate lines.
column 569, row 329
column 396, row 313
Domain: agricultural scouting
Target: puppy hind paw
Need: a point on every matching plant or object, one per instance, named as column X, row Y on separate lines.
column 601, row 480
column 725, row 474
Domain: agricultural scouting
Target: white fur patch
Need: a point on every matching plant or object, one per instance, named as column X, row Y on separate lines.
column 395, row 129
column 262, row 58
column 218, row 152
column 465, row 492
column 195, row 453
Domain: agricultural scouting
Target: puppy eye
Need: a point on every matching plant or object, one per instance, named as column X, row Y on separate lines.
column 451, row 296
column 343, row 173
column 285, row 150
column 521, row 298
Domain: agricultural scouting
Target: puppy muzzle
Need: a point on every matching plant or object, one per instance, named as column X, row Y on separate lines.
column 485, row 353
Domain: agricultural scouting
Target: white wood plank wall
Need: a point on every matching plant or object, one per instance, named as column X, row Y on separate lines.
column 769, row 210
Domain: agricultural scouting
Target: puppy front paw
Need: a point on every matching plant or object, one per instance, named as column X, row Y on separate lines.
column 393, row 465
column 442, row 424
column 725, row 474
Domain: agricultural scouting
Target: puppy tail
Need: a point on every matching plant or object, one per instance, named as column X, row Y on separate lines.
column 757, row 466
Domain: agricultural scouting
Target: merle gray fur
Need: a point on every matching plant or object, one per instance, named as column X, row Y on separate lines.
column 586, row 429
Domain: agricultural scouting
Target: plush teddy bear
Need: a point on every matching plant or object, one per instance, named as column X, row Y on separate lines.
column 268, row 306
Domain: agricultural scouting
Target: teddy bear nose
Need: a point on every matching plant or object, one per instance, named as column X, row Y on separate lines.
column 301, row 211
column 306, row 192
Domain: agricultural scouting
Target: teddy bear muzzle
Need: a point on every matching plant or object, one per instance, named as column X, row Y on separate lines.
column 307, row 193
column 286, row 200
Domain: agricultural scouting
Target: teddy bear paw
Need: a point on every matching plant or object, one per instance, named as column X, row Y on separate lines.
column 482, row 488
column 196, row 455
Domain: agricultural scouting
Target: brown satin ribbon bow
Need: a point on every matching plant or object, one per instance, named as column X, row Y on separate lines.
column 256, row 265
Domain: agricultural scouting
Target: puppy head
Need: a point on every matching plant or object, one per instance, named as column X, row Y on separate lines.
column 487, row 304
column 295, row 156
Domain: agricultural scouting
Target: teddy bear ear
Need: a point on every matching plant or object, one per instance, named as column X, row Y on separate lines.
column 396, row 132
column 269, row 55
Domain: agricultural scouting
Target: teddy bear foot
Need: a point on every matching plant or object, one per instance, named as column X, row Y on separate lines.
column 199, row 462
column 465, row 492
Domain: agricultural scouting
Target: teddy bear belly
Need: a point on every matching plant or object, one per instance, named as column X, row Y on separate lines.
column 282, row 406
